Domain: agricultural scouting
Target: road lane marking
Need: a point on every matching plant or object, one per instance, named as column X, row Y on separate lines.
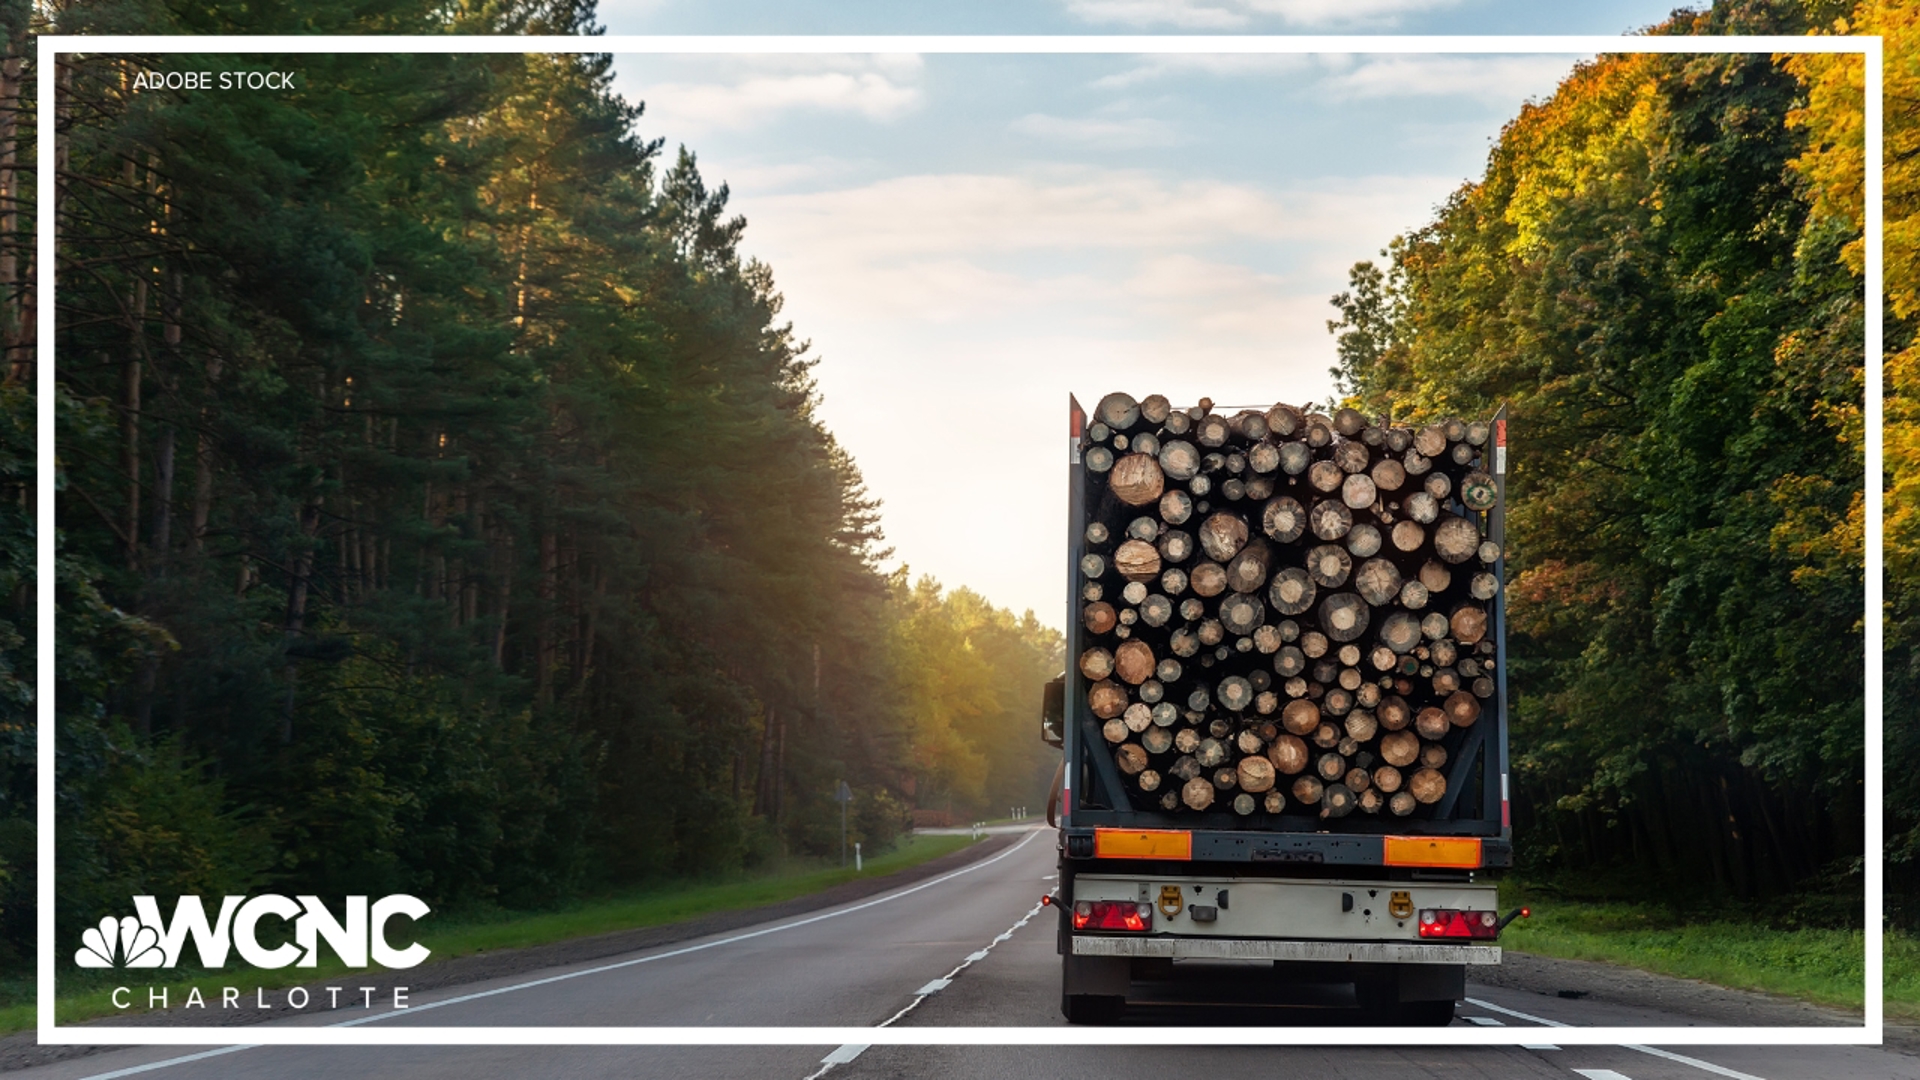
column 850, row 1051
column 1483, row 1021
column 1602, row 1074
column 375, row 1018
column 1704, row 1066
column 1538, row 1046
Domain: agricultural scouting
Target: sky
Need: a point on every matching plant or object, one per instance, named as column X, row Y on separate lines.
column 965, row 240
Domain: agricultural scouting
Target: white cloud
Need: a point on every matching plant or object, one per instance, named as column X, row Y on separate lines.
column 1232, row 14
column 1494, row 80
column 758, row 90
column 1097, row 131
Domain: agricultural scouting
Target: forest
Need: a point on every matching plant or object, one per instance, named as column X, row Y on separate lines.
column 442, row 504
column 1660, row 273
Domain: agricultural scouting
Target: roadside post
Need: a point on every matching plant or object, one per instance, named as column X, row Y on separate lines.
column 843, row 795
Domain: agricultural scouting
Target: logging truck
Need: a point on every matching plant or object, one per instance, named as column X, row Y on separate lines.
column 1283, row 724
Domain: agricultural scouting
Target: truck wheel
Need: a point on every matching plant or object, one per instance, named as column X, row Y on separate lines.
column 1426, row 1013
column 1090, row 1008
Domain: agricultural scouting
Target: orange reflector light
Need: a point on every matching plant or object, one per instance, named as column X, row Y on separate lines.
column 1463, row 851
column 1142, row 844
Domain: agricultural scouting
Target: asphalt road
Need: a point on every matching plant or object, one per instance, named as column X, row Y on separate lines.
column 882, row 960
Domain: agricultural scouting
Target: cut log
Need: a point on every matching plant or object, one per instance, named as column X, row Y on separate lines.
column 1349, row 679
column 1136, row 560
column 1433, row 626
column 1329, row 565
column 1455, row 428
column 1266, row 701
column 1249, row 741
column 1244, row 804
column 1422, row 507
column 1387, row 779
column 1383, row 658
column 1197, row 793
column 1208, row 579
column 1211, row 753
column 1226, row 779
column 1326, row 736
column 1349, row 422
column 1118, row 411
column 1283, row 519
column 1274, row 802
column 1131, row 759
column 1288, row 754
column 1319, row 431
column 1249, row 425
column 1483, row 586
column 1477, row 432
column 1435, row 576
column 1445, row 681
column 1368, row 696
column 1096, row 663
column 1284, row 420
column 1174, row 581
column 1212, row 431
column 1295, row 457
column 1157, row 740
column 1148, row 780
column 1093, row 565
column 1266, row 640
column 1098, row 617
column 1176, row 507
column 1461, row 708
column 1300, row 717
column 1371, row 801
column 1433, row 756
column 1353, row 457
column 1234, row 693
column 1179, row 460
column 1146, row 443
column 1107, row 699
column 1344, row 616
column 1330, row 767
column 1439, row 485
column 1241, row 614
column 1115, row 730
column 1134, row 592
column 1431, row 440
column 1263, row 458
column 1361, row 725
column 1165, row 714
column 1136, row 480
column 1483, row 687
column 1248, row 570
column 1427, row 786
column 1289, row 662
column 1377, row 581
column 1388, row 475
column 1469, row 623
column 1314, row 644
column 1399, row 747
column 1176, row 546
column 1363, row 541
column 1414, row 596
column 1154, row 409
column 1399, row 439
column 1407, row 536
column 1291, row 591
column 1325, row 476
column 1400, row 632
column 1462, row 454
column 1256, row 774
column 1178, row 422
column 1336, row 702
column 1445, row 652
column 1431, row 723
column 1223, row 535
column 1374, row 435
column 1307, row 790
column 1358, row 492
column 1155, row 610
column 1455, row 539
column 1357, row 780
column 1185, row 768
column 1211, row 632
column 1133, row 662
column 1330, row 519
column 1098, row 459
column 1416, row 463
column 1338, row 800
column 1192, row 608
column 1477, row 491
column 1401, row 804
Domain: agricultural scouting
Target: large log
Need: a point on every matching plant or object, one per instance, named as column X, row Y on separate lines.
column 1098, row 617
column 1399, row 747
column 1352, row 456
column 1107, row 699
column 1093, row 565
column 1319, row 431
column 1234, row 693
column 1212, row 431
column 1361, row 725
column 1099, row 459
column 1338, row 800
column 1300, row 717
column 1096, row 663
column 1157, row 740
column 1388, row 475
column 1288, row 754
column 1176, row 507
column 1427, row 786
column 1414, row 596
column 1284, row 519
column 1291, row 591
column 1431, row 723
column 1210, row 753
column 1477, row 491
column 1176, row 546
column 1222, row 536
column 1363, row 540
column 1377, row 581
column 1349, row 422
column 1314, row 644
column 1435, row 576
column 1133, row 661
column 1284, row 420
column 1137, row 560
column 1344, row 616
column 1197, row 793
column 1241, row 614
column 1439, row 485
column 1307, row 790
column 1249, row 425
column 1401, row 804
column 1387, row 779
column 1136, row 480
column 1358, row 491
column 1469, row 623
column 1118, row 411
column 1431, row 440
column 1462, row 708
column 1131, row 759
column 1407, row 535
column 1115, row 730
column 1325, row 476
column 1295, row 457
column 1248, row 570
column 1400, row 632
column 1154, row 409
column 1483, row 586
column 1455, row 539
column 1256, row 774
column 1289, row 662
column 1155, row 610
column 1179, row 460
column 1329, row 565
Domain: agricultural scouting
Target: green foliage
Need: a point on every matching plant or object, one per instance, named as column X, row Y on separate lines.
column 1638, row 278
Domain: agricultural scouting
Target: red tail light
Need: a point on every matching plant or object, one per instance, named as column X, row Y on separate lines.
column 1451, row 923
column 1112, row 915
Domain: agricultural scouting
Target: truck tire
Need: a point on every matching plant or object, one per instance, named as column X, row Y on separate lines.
column 1090, row 1008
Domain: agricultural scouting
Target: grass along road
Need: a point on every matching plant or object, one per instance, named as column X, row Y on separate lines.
column 85, row 994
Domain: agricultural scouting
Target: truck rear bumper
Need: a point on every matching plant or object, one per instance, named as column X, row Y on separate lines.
column 1337, row 952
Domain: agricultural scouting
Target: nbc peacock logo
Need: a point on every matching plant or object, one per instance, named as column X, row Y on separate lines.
column 125, row 942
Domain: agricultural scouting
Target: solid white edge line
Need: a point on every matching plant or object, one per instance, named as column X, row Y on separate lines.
column 1477, row 1003
column 151, row 1066
column 1705, row 1066
column 48, row 46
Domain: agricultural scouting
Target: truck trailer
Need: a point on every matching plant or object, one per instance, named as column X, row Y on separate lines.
column 1176, row 867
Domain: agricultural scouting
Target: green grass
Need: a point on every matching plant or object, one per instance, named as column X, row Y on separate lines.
column 1825, row 966
column 86, row 994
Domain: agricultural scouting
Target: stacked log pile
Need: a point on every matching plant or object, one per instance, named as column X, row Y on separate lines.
column 1284, row 611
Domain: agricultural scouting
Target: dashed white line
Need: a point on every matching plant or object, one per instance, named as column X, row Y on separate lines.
column 1601, row 1074
column 1538, row 1046
column 1483, row 1021
column 1704, row 1066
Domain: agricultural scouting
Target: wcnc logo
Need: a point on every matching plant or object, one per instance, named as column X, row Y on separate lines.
column 151, row 942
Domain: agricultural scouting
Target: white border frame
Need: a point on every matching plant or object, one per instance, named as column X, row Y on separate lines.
column 1585, row 45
